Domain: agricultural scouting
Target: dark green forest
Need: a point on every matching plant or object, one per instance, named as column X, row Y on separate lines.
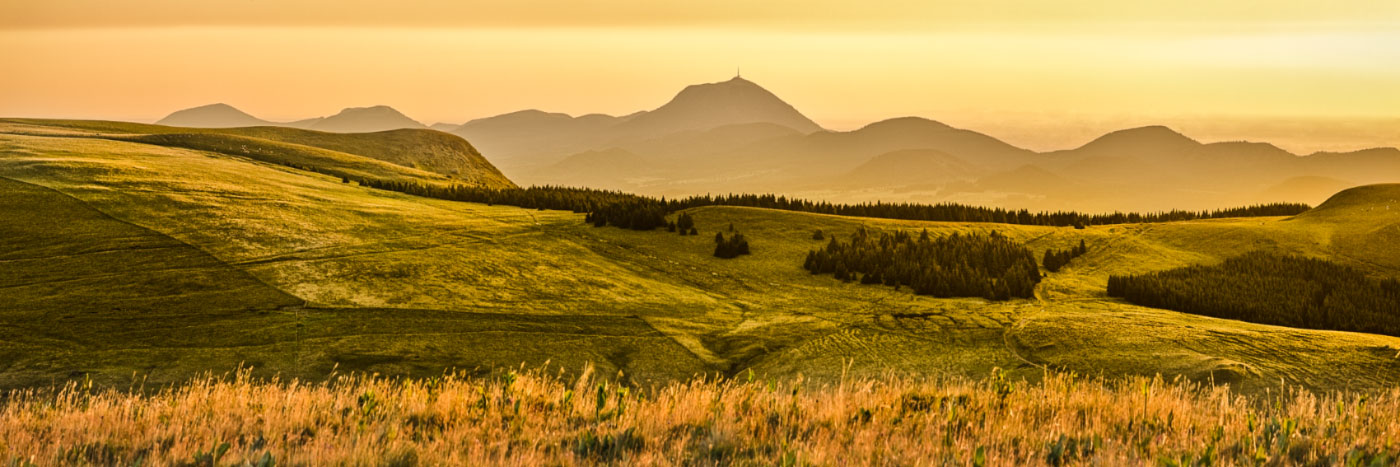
column 958, row 265
column 1056, row 259
column 1272, row 289
column 645, row 213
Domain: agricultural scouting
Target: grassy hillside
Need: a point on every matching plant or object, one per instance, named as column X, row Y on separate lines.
column 405, row 285
column 1362, row 224
column 438, row 154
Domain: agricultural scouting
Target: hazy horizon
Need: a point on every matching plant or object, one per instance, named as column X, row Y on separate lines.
column 1305, row 75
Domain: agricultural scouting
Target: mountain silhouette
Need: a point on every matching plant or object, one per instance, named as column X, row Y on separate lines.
column 212, row 116
column 705, row 106
column 532, row 139
column 365, row 120
column 736, row 136
column 350, row 120
column 1149, row 139
column 909, row 167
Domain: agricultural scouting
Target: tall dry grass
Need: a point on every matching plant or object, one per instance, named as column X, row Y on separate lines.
column 533, row 418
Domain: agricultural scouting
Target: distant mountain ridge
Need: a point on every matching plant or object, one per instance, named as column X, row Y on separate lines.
column 736, row 136
column 349, row 120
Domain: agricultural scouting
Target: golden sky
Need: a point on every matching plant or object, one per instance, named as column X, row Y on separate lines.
column 1043, row 74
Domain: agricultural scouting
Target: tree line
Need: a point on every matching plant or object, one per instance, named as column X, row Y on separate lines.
column 959, row 265
column 1272, row 289
column 631, row 211
column 1056, row 259
column 953, row 212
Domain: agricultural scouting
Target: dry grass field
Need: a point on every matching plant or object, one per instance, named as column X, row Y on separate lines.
column 534, row 418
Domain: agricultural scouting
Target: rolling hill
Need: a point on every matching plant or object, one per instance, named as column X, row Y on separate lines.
column 365, row 120
column 212, row 116
column 421, row 156
column 311, row 273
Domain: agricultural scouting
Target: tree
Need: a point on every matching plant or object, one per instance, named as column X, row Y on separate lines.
column 685, row 223
column 818, row 235
column 732, row 247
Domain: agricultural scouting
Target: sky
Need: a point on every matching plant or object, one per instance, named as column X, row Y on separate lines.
column 1306, row 75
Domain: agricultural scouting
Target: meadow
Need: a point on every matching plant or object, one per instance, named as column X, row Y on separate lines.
column 156, row 259
column 537, row 418
column 318, row 273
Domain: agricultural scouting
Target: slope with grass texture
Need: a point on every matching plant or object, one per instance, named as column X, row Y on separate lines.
column 428, row 156
column 404, row 285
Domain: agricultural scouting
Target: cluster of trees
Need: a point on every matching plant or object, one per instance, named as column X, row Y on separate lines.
column 730, row 247
column 958, row 265
column 1056, row 259
column 635, row 215
column 1272, row 289
column 683, row 224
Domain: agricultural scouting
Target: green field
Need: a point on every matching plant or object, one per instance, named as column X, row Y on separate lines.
column 131, row 254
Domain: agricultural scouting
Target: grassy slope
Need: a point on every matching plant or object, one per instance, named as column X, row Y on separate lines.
column 411, row 155
column 275, row 205
column 345, row 246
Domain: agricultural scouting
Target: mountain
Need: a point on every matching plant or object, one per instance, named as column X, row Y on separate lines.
column 736, row 136
column 350, row 120
column 705, row 106
column 212, row 116
column 365, row 120
column 528, row 140
column 831, row 152
column 534, row 137
column 908, row 167
column 1145, row 141
column 1377, row 165
column 613, row 168
column 1310, row 189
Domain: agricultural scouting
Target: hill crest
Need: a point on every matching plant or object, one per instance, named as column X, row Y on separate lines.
column 366, row 120
column 219, row 115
